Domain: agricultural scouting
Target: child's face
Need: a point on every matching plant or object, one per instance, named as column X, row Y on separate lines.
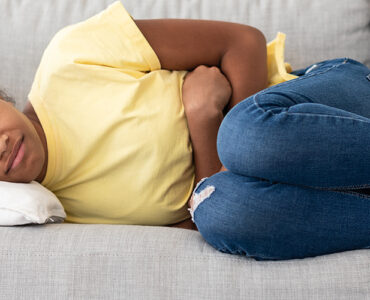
column 15, row 125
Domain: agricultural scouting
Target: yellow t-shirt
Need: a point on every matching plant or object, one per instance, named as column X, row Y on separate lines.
column 118, row 142
column 119, row 150
column 277, row 70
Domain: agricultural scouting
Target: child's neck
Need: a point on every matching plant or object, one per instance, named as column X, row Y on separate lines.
column 41, row 133
column 31, row 114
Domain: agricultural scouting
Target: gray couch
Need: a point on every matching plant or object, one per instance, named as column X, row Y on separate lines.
column 75, row 261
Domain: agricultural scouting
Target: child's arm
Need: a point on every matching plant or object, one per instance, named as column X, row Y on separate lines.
column 205, row 93
column 238, row 50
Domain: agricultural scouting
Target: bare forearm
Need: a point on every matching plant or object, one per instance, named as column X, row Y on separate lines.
column 203, row 133
column 245, row 67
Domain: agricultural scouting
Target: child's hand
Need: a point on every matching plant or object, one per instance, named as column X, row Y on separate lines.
column 206, row 88
column 205, row 94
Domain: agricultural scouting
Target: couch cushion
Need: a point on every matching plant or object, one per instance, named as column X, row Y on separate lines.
column 79, row 261
column 316, row 29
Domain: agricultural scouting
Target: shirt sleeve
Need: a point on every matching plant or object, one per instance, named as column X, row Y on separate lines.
column 110, row 38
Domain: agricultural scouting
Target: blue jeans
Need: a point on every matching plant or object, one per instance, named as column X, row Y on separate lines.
column 298, row 155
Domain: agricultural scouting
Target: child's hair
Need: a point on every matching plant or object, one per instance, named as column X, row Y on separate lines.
column 6, row 97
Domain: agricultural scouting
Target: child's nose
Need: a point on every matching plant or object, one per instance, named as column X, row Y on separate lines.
column 3, row 144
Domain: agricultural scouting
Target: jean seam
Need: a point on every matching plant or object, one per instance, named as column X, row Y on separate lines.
column 340, row 188
column 311, row 74
column 354, row 193
column 304, row 114
column 322, row 188
column 319, row 115
column 289, row 82
column 345, row 60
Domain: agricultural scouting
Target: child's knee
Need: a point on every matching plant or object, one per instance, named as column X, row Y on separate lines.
column 224, row 202
column 232, row 216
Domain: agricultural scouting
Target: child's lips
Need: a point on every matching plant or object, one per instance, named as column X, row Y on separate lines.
column 15, row 154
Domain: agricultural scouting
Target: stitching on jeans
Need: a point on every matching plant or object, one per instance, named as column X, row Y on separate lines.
column 313, row 74
column 341, row 187
column 304, row 114
column 289, row 82
column 302, row 78
column 319, row 115
column 354, row 193
column 321, row 188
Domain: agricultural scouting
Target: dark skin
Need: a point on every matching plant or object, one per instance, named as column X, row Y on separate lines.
column 233, row 66
column 238, row 51
column 14, row 126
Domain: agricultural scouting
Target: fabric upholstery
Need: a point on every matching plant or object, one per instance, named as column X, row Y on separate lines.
column 78, row 261
column 75, row 261
column 316, row 30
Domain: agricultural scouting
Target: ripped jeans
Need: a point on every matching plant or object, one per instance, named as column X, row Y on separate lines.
column 298, row 155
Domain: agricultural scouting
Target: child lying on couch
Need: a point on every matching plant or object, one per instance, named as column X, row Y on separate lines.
column 105, row 127
column 123, row 120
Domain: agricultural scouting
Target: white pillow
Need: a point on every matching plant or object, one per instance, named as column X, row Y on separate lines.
column 27, row 203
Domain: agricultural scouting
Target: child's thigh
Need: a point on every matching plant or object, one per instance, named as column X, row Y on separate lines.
column 341, row 83
column 271, row 220
column 300, row 132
